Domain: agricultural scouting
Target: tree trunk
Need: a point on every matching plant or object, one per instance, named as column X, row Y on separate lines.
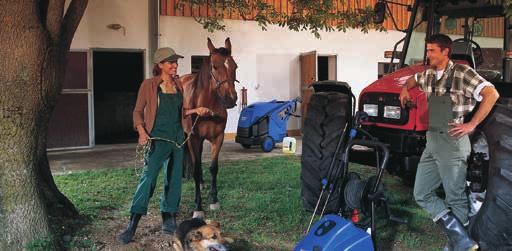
column 35, row 40
column 23, row 215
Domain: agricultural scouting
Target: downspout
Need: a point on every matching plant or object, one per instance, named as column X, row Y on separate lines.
column 507, row 60
column 153, row 31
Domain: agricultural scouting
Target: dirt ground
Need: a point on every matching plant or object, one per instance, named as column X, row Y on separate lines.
column 148, row 236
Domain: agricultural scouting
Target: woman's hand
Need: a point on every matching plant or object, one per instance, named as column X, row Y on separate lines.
column 203, row 111
column 143, row 138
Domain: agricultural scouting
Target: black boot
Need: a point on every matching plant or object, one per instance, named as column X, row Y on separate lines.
column 458, row 238
column 168, row 223
column 128, row 234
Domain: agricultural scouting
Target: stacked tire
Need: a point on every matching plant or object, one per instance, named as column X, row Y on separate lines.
column 327, row 115
column 492, row 226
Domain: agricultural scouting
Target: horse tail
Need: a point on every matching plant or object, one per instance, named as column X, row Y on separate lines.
column 188, row 167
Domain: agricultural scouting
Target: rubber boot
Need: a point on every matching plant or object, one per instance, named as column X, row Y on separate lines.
column 458, row 238
column 127, row 235
column 169, row 223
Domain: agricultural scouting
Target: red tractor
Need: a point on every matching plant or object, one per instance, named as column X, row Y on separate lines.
column 403, row 129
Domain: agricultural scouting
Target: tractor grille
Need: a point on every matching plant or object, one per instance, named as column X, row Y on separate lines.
column 382, row 100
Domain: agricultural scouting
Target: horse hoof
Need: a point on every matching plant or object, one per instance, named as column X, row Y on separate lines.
column 198, row 214
column 215, row 206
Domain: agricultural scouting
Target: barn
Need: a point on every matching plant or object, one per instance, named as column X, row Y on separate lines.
column 112, row 49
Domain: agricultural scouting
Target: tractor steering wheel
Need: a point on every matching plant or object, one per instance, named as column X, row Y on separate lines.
column 477, row 50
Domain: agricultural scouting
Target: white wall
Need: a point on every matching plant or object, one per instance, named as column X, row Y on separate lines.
column 93, row 32
column 269, row 60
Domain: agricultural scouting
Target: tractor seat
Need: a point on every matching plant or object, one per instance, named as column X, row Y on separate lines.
column 462, row 51
column 492, row 76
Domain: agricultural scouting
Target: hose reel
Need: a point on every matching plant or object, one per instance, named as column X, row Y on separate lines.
column 358, row 192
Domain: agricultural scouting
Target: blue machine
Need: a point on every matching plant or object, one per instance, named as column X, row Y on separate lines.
column 264, row 123
column 332, row 232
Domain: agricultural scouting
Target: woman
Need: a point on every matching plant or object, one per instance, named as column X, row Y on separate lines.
column 159, row 113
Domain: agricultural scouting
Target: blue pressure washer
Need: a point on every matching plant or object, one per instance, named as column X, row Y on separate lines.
column 265, row 123
column 335, row 232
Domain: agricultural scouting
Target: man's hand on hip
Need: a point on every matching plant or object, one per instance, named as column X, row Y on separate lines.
column 460, row 130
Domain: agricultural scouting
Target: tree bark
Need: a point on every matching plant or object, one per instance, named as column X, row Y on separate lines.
column 35, row 41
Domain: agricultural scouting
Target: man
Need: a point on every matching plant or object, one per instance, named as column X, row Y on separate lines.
column 452, row 91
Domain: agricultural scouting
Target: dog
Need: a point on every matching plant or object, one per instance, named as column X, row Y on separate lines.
column 197, row 235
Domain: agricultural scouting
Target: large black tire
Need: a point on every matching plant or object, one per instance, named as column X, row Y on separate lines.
column 492, row 226
column 323, row 126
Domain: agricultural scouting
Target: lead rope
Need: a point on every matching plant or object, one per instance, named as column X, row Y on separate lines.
column 142, row 151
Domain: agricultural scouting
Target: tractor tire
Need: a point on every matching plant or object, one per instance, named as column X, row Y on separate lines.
column 328, row 113
column 491, row 226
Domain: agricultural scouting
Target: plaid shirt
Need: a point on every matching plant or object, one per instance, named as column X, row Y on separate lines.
column 465, row 82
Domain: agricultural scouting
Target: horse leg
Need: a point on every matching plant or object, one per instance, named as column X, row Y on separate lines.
column 197, row 147
column 214, row 169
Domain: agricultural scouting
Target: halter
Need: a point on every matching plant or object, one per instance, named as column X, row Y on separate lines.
column 218, row 83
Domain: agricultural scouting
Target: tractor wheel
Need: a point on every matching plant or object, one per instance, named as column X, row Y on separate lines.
column 267, row 144
column 491, row 225
column 246, row 146
column 323, row 126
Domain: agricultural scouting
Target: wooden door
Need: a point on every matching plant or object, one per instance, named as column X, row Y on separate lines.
column 70, row 125
column 308, row 75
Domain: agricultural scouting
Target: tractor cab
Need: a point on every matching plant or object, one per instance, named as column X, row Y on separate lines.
column 481, row 39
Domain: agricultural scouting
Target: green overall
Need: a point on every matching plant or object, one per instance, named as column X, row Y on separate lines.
column 163, row 153
column 444, row 161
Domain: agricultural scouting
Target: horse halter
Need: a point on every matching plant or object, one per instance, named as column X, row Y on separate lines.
column 219, row 83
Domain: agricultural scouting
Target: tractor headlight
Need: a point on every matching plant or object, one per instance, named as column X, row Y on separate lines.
column 371, row 109
column 392, row 112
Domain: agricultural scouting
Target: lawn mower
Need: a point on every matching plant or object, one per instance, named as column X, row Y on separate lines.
column 265, row 123
column 356, row 197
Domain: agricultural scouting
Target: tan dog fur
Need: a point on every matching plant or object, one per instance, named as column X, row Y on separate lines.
column 201, row 238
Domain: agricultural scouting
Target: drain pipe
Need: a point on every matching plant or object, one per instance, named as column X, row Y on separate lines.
column 507, row 60
column 153, row 31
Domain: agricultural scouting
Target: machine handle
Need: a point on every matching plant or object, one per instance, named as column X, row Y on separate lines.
column 370, row 143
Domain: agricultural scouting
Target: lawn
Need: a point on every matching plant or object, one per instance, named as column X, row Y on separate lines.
column 260, row 208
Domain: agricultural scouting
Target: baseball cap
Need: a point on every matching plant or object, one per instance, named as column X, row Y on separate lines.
column 165, row 54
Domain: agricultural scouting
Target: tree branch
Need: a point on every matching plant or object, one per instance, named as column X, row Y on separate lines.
column 71, row 20
column 54, row 18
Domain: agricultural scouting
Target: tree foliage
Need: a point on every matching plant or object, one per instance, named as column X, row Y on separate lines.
column 507, row 6
column 305, row 15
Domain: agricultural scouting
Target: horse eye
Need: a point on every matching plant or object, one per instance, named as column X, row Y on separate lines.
column 215, row 67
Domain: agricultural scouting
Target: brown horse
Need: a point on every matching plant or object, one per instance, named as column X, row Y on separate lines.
column 212, row 87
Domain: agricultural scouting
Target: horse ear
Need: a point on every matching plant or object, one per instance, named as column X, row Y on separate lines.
column 227, row 44
column 210, row 46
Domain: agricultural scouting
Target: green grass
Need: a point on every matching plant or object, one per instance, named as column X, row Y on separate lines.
column 260, row 204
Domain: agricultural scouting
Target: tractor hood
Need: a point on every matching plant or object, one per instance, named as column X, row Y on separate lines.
column 393, row 82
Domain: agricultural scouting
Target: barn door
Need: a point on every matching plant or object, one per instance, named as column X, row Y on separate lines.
column 308, row 75
column 70, row 125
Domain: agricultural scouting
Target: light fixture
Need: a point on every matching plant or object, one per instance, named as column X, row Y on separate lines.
column 117, row 27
